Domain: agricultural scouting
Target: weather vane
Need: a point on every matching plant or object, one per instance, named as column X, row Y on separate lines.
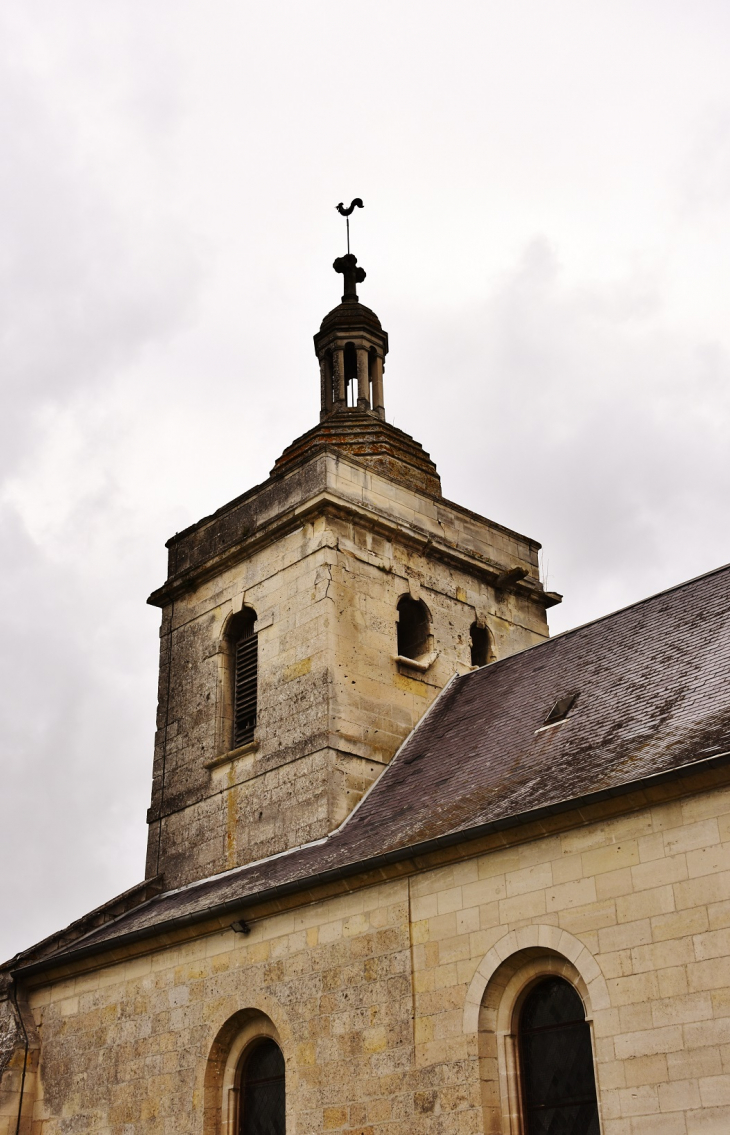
column 346, row 214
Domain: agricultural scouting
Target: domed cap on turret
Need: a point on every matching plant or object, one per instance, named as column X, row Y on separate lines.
column 349, row 316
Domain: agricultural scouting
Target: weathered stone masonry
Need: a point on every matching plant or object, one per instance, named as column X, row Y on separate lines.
column 327, row 551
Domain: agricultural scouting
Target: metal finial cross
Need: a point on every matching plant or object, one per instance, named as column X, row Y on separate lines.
column 347, row 265
column 357, row 201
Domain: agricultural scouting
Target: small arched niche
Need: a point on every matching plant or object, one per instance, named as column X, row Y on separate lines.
column 245, row 1080
column 414, row 628
column 481, row 644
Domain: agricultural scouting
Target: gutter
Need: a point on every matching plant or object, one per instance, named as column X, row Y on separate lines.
column 348, row 870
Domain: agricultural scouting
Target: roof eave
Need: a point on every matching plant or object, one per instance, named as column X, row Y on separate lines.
column 411, row 851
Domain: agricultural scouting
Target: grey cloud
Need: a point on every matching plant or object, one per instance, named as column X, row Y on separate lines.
column 585, row 421
column 84, row 282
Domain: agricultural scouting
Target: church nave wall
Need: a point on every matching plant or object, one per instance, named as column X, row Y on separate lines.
column 387, row 999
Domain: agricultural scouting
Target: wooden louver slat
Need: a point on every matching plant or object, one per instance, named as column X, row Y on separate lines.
column 245, row 688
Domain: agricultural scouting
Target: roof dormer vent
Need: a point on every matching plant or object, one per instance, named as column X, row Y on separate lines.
column 561, row 709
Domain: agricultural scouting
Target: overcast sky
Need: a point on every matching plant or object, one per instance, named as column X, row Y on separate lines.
column 547, row 241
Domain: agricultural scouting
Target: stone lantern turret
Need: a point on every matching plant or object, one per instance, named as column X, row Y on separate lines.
column 351, row 347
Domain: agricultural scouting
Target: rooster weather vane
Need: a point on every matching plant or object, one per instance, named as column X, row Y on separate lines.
column 347, row 265
column 355, row 203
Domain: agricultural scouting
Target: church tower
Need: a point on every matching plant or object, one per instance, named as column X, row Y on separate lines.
column 308, row 624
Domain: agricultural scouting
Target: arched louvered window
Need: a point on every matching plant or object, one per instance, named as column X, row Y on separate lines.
column 262, row 1097
column 243, row 642
column 556, row 1058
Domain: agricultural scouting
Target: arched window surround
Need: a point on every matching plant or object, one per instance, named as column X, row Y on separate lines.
column 225, row 1065
column 505, row 976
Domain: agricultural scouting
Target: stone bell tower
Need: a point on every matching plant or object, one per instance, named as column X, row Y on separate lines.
column 308, row 624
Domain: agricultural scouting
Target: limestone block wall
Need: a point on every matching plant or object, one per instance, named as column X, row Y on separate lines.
column 636, row 911
column 377, row 700
column 201, row 831
column 393, row 1004
column 333, row 702
column 128, row 1048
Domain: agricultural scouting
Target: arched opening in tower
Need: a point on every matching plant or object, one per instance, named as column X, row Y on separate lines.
column 350, row 374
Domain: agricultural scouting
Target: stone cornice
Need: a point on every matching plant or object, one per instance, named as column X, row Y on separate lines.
column 330, row 502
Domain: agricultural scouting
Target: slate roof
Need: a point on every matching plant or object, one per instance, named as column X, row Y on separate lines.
column 654, row 696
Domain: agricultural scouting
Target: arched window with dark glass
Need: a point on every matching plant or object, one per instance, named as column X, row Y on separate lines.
column 244, row 675
column 413, row 628
column 556, row 1059
column 262, row 1098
